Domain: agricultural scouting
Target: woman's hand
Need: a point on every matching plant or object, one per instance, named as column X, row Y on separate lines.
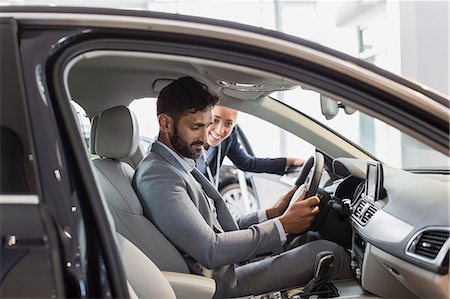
column 294, row 161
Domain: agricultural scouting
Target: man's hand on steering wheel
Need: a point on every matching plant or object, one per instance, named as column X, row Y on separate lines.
column 300, row 214
column 296, row 213
column 310, row 176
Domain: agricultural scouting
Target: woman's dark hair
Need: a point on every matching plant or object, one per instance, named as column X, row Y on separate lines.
column 184, row 95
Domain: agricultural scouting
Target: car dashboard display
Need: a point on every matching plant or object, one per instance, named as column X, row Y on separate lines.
column 400, row 229
column 374, row 181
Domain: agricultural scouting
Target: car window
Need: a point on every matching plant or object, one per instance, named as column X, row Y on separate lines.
column 400, row 150
column 281, row 142
column 282, row 145
column 145, row 111
column 83, row 123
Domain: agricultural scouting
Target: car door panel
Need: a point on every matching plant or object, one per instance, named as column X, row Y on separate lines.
column 26, row 254
column 30, row 257
column 72, row 260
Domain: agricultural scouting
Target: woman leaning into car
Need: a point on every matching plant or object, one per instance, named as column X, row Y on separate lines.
column 222, row 141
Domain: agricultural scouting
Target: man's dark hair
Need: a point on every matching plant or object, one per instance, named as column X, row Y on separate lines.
column 184, row 95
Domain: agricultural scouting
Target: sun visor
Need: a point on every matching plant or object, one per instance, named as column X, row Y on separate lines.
column 247, row 86
column 242, row 95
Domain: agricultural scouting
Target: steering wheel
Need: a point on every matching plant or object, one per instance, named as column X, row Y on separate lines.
column 310, row 176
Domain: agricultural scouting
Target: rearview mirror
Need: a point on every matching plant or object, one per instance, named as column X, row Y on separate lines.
column 330, row 107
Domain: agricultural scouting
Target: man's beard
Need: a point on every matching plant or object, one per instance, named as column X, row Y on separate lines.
column 183, row 148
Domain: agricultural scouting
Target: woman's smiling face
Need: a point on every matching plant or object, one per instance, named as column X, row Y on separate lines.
column 224, row 120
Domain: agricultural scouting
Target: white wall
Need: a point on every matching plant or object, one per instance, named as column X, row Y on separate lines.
column 424, row 31
column 424, row 44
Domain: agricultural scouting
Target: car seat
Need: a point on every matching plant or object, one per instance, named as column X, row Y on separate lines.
column 116, row 138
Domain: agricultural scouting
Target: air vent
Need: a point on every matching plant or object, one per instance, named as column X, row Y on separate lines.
column 364, row 211
column 360, row 207
column 368, row 214
column 429, row 243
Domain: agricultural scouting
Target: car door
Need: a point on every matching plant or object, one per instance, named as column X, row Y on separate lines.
column 30, row 254
column 56, row 239
column 62, row 146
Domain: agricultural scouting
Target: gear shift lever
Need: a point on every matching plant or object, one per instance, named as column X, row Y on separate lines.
column 322, row 265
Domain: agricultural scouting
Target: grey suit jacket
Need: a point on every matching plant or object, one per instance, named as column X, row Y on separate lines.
column 177, row 204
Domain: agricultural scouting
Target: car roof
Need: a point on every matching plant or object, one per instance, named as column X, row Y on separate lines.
column 437, row 96
column 316, row 67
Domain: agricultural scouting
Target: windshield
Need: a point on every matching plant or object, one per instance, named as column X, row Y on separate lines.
column 381, row 140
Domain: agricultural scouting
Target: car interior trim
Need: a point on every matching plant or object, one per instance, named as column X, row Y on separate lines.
column 442, row 252
column 19, row 199
column 379, row 227
column 423, row 283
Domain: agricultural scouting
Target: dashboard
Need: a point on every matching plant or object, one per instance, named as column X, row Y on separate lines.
column 400, row 228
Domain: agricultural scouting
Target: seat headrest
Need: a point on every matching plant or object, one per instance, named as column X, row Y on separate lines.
column 117, row 134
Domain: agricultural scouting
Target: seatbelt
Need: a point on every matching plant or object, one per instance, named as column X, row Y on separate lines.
column 202, row 184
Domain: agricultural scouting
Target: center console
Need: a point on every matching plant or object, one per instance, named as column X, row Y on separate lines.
column 358, row 251
column 363, row 210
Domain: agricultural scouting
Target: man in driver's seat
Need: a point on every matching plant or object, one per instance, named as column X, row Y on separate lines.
column 192, row 215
